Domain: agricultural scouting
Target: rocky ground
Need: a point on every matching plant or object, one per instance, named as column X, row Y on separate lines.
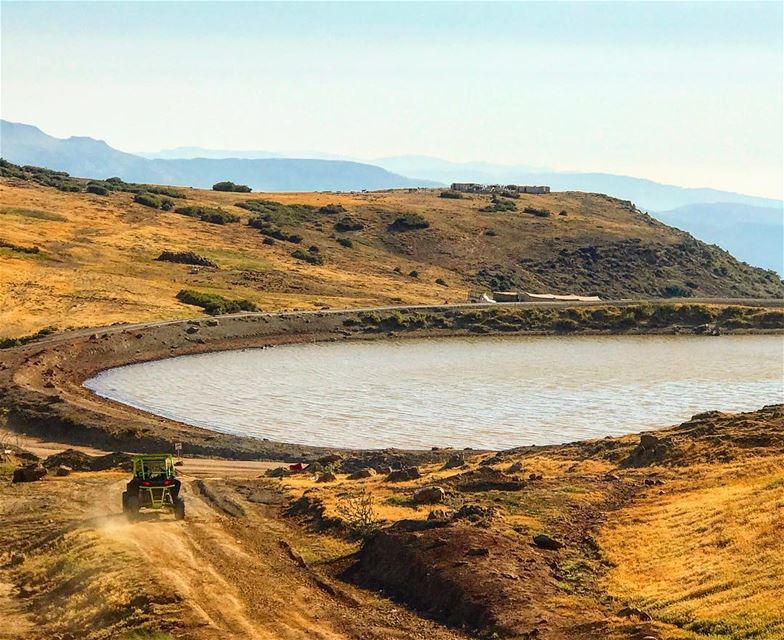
column 668, row 534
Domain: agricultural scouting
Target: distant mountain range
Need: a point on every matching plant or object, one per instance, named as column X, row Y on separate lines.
column 750, row 227
column 752, row 234
column 87, row 157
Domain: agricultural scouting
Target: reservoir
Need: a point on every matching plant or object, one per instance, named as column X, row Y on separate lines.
column 483, row 392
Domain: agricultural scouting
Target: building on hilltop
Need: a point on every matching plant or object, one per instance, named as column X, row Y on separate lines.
column 473, row 187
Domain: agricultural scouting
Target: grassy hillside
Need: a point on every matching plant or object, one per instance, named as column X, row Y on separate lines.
column 74, row 253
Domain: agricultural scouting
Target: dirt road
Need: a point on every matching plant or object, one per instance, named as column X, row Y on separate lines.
column 233, row 569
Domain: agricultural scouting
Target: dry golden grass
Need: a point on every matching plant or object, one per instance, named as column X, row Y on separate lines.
column 707, row 555
column 97, row 266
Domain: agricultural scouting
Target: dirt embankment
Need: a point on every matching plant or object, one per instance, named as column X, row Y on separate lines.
column 41, row 382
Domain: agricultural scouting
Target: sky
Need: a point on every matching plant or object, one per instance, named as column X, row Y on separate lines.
column 683, row 93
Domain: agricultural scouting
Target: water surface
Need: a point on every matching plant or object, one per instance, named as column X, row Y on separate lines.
column 478, row 392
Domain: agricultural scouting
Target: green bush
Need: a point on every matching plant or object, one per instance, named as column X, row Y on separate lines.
column 442, row 282
column 97, row 190
column 540, row 213
column 499, row 205
column 345, row 242
column 186, row 257
column 277, row 212
column 272, row 231
column 214, row 304
column 7, row 343
column 675, row 291
column 308, row 256
column 147, row 200
column 18, row 248
column 347, row 223
column 230, row 186
column 268, row 240
column 409, row 222
column 208, row 214
column 452, row 195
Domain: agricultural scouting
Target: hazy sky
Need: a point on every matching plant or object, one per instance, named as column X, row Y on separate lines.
column 688, row 94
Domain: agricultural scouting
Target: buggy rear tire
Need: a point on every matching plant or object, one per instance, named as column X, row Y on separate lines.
column 132, row 502
column 179, row 509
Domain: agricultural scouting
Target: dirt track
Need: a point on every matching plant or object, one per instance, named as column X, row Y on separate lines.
column 214, row 575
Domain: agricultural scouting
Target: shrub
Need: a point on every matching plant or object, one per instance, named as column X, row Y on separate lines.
column 491, row 232
column 675, row 291
column 409, row 222
column 307, row 256
column 230, row 186
column 115, row 180
column 348, row 223
column 185, row 257
column 268, row 241
column 214, row 304
column 540, row 213
column 18, row 248
column 97, row 190
column 277, row 212
column 345, row 242
column 148, row 200
column 358, row 513
column 563, row 212
column 332, row 209
column 499, row 205
column 208, row 214
column 273, row 231
column 452, row 195
column 442, row 282
column 162, row 191
column 413, row 274
column 167, row 204
column 7, row 343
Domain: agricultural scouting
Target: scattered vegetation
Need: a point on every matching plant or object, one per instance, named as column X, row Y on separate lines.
column 7, row 343
column 214, row 304
column 153, row 201
column 230, row 186
column 441, row 282
column 273, row 231
column 186, row 257
column 499, row 205
column 539, row 213
column 63, row 181
column 208, row 214
column 408, row 222
column 277, row 212
column 347, row 223
column 450, row 194
column 311, row 256
column 18, row 248
column 345, row 242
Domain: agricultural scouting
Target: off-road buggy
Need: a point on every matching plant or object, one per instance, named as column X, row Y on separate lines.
column 154, row 486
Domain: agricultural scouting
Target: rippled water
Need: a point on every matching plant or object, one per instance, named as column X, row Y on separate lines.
column 479, row 392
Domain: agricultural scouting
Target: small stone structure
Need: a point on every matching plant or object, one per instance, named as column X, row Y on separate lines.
column 474, row 187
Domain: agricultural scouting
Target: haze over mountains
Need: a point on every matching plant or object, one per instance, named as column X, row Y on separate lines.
column 750, row 227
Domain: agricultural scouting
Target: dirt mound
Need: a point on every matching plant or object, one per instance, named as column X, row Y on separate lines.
column 485, row 479
column 465, row 576
column 76, row 460
column 80, row 461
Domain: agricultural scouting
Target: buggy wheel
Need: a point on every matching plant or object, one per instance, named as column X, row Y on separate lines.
column 179, row 509
column 132, row 502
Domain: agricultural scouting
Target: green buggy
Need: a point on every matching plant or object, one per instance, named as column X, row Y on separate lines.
column 154, row 486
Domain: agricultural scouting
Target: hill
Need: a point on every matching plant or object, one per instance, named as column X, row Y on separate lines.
column 753, row 234
column 75, row 258
column 82, row 156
